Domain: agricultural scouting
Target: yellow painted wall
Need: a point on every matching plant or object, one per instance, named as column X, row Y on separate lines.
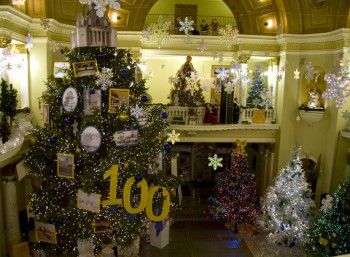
column 204, row 7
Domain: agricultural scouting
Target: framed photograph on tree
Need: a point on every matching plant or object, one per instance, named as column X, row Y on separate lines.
column 88, row 202
column 87, row 68
column 65, row 165
column 118, row 97
column 45, row 232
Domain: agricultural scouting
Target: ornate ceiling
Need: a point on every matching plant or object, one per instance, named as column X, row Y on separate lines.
column 295, row 16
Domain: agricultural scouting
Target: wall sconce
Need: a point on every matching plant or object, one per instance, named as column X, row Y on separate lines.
column 116, row 17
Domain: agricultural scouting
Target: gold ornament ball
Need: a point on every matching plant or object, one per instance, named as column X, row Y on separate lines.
column 93, row 224
column 126, row 165
column 32, row 140
column 123, row 116
column 218, row 209
column 77, row 150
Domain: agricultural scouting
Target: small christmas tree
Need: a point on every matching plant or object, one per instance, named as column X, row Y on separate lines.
column 286, row 205
column 187, row 90
column 235, row 201
column 255, row 99
column 8, row 104
column 331, row 232
column 93, row 160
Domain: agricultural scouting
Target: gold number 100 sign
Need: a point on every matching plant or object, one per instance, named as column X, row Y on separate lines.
column 146, row 200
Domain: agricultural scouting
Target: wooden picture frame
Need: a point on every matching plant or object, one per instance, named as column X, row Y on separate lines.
column 88, row 202
column 60, row 69
column 45, row 109
column 102, row 225
column 90, row 139
column 127, row 137
column 118, row 97
column 70, row 99
column 65, row 165
column 86, row 68
column 92, row 101
column 45, row 232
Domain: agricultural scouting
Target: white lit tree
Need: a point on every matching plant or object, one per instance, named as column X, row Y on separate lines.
column 286, row 205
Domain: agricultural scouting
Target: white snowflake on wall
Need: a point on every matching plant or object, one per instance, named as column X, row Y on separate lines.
column 222, row 73
column 157, row 32
column 207, row 83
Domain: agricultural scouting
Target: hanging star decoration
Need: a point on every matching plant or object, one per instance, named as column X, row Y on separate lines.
column 229, row 36
column 296, row 74
column 192, row 83
column 104, row 78
column 186, row 26
column 45, row 23
column 173, row 137
column 29, row 42
column 54, row 46
column 173, row 80
column 207, row 83
column 202, row 46
column 157, row 32
column 215, row 162
column 339, row 84
column 116, row 137
column 100, row 5
column 222, row 73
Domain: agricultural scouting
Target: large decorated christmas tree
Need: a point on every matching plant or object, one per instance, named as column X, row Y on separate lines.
column 94, row 160
column 331, row 233
column 287, row 204
column 235, row 201
column 186, row 90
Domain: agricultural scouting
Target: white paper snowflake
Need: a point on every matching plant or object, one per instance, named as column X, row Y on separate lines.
column 104, row 78
column 202, row 46
column 173, row 137
column 29, row 42
column 173, row 80
column 215, row 162
column 157, row 32
column 207, row 83
column 222, row 73
column 229, row 87
column 186, row 25
column 296, row 74
column 229, row 36
column 192, row 83
column 310, row 72
column 136, row 110
column 116, row 137
column 45, row 23
column 327, row 203
column 266, row 99
column 54, row 46
column 100, row 5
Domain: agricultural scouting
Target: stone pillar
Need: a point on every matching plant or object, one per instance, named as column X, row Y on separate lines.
column 13, row 234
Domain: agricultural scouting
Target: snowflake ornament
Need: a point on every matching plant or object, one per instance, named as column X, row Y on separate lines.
column 339, row 84
column 281, row 72
column 45, row 23
column 116, row 137
column 100, row 5
column 202, row 46
column 229, row 36
column 296, row 74
column 54, row 46
column 29, row 42
column 207, row 83
column 173, row 80
column 158, row 32
column 229, row 87
column 222, row 73
column 327, row 203
column 192, row 83
column 104, row 78
column 186, row 26
column 215, row 162
column 310, row 72
column 173, row 137
column 136, row 111
column 266, row 98
column 346, row 115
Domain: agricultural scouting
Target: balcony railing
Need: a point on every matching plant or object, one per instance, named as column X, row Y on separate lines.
column 222, row 21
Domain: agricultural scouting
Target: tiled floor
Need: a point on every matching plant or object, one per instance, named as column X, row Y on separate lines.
column 192, row 234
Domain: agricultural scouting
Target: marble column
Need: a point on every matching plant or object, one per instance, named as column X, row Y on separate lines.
column 13, row 234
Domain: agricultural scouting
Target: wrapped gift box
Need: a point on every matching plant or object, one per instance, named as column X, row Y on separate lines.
column 162, row 239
